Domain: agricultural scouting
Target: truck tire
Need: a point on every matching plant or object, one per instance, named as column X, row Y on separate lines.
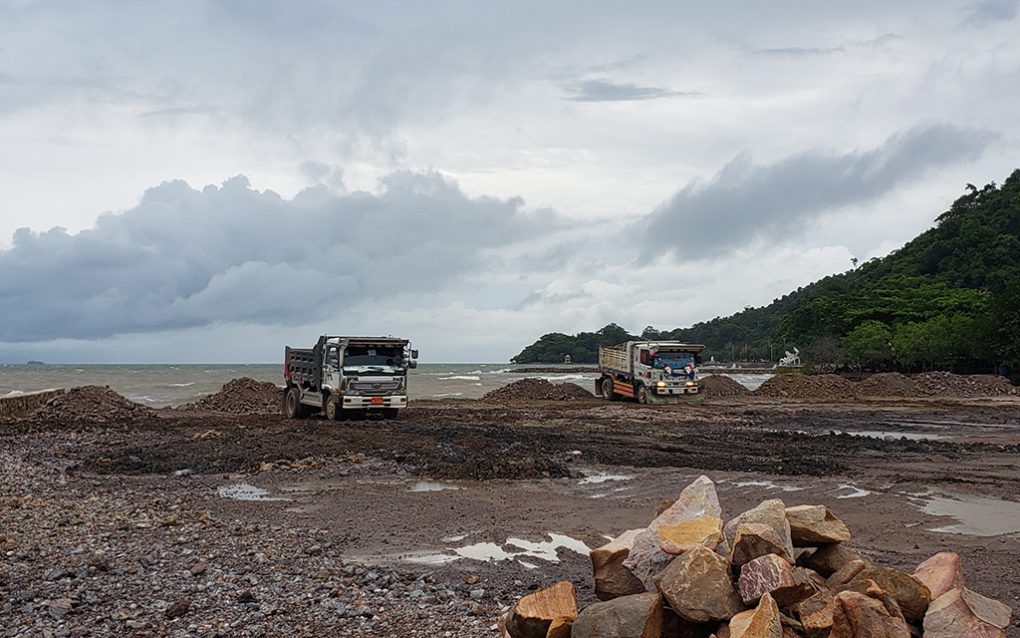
column 607, row 389
column 292, row 408
column 333, row 411
column 641, row 394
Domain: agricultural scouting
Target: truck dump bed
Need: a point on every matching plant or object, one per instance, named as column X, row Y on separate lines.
column 614, row 358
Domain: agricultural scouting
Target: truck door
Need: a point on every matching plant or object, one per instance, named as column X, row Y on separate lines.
column 332, row 376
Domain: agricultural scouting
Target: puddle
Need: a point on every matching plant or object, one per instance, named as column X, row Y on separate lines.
column 894, row 435
column 246, row 492
column 768, row 485
column 431, row 486
column 602, row 477
column 975, row 515
column 855, row 492
column 512, row 549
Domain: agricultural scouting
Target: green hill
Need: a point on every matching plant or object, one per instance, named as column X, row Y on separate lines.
column 948, row 299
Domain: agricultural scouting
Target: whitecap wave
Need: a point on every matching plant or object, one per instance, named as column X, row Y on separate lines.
column 461, row 378
column 181, row 385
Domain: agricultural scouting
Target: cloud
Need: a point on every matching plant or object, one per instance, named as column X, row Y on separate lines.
column 800, row 51
column 987, row 12
column 744, row 201
column 609, row 91
column 184, row 258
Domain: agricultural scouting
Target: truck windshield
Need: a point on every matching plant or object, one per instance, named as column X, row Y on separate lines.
column 675, row 360
column 364, row 359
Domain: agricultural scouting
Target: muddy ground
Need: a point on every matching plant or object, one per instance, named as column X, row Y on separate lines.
column 360, row 526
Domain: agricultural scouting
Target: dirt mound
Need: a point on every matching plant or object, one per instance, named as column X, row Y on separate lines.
column 241, row 396
column 718, row 385
column 888, row 384
column 825, row 387
column 91, row 403
column 973, row 385
column 538, row 390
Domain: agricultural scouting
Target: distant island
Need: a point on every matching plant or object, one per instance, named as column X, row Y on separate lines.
column 33, row 362
column 949, row 300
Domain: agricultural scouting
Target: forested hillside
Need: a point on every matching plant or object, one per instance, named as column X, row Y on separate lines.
column 948, row 299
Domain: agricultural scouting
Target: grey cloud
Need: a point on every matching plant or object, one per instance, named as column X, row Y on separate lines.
column 185, row 258
column 987, row 12
column 799, row 51
column 609, row 91
column 744, row 201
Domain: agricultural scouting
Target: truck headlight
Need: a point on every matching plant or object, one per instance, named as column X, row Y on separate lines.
column 661, row 384
column 690, row 384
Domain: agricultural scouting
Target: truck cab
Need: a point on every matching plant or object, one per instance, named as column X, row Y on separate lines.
column 650, row 371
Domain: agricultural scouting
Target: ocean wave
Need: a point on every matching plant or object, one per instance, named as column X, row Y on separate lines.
column 12, row 393
column 570, row 377
column 448, row 394
column 181, row 385
column 461, row 378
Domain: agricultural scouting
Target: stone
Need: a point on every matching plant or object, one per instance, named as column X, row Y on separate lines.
column 646, row 559
column 677, row 538
column 60, row 607
column 634, row 616
column 845, row 574
column 198, row 568
column 753, row 540
column 698, row 586
column 857, row 615
column 940, row 573
column 612, row 579
column 762, row 622
column 534, row 613
column 911, row 594
column 814, row 524
column 177, row 609
column 827, row 559
column 560, row 627
column 773, row 575
column 815, row 614
column 771, row 513
column 962, row 612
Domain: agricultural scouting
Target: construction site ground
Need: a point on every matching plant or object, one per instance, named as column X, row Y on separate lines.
column 385, row 526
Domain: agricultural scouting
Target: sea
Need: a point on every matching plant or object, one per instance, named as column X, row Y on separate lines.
column 159, row 385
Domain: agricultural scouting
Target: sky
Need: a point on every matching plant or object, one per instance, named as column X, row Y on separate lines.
column 208, row 181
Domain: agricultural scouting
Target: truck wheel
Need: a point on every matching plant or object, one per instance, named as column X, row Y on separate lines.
column 607, row 389
column 292, row 408
column 333, row 411
column 642, row 394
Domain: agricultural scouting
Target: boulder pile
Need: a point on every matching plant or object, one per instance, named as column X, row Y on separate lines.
column 718, row 385
column 538, row 390
column 90, row 403
column 771, row 572
column 241, row 396
column 827, row 387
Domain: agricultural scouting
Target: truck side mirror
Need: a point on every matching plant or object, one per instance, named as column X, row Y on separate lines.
column 698, row 359
column 414, row 354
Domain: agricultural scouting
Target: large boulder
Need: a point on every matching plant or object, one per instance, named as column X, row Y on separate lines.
column 533, row 614
column 762, row 622
column 940, row 573
column 698, row 586
column 827, row 559
column 815, row 614
column 962, row 612
column 560, row 627
column 634, row 616
column 773, row 575
column 857, row 615
column 814, row 524
column 771, row 513
column 753, row 540
column 911, row 594
column 646, row 559
column 846, row 573
column 677, row 538
column 612, row 579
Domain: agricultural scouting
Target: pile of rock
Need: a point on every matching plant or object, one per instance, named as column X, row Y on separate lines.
column 538, row 390
column 241, row 396
column 827, row 387
column 771, row 572
column 717, row 385
column 972, row 385
column 90, row 403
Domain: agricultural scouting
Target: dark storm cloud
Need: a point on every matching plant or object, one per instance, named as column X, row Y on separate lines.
column 745, row 201
column 608, row 91
column 987, row 12
column 185, row 258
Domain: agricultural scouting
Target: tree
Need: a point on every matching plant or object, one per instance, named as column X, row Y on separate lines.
column 869, row 344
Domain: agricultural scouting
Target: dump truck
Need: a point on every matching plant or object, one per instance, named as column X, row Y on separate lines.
column 345, row 377
column 650, row 371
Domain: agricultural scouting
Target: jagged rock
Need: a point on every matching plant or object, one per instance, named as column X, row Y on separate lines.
column 677, row 538
column 771, row 513
column 911, row 594
column 698, row 587
column 940, row 573
column 813, row 524
column 827, row 559
column 846, row 573
column 773, row 575
column 612, row 579
column 646, row 559
column 761, row 622
column 856, row 615
column 753, row 540
column 815, row 614
column 534, row 613
column 634, row 616
column 962, row 612
column 560, row 628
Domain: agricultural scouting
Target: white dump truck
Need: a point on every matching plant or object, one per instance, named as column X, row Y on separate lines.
column 348, row 376
column 650, row 371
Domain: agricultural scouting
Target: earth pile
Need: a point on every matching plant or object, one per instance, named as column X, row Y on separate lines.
column 538, row 390
column 93, row 404
column 241, row 396
column 825, row 387
column 718, row 385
